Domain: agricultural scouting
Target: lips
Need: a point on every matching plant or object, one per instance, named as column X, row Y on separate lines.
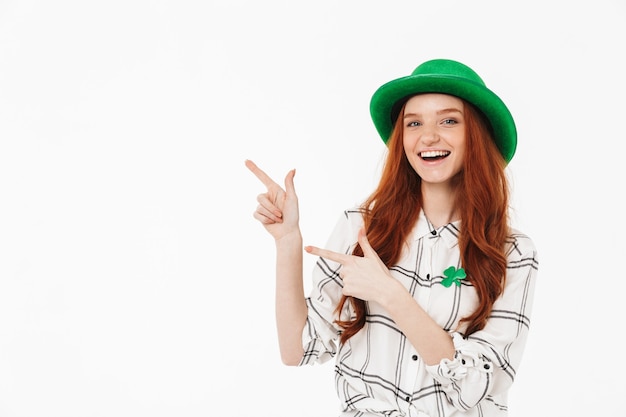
column 433, row 155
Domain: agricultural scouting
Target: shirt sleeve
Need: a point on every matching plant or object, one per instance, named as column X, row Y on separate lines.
column 320, row 337
column 486, row 362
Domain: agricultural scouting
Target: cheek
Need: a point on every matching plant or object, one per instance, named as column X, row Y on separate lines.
column 460, row 141
column 462, row 151
column 408, row 142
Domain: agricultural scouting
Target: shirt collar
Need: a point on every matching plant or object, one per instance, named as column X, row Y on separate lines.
column 425, row 229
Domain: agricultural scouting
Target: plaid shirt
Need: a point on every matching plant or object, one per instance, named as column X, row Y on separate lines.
column 379, row 373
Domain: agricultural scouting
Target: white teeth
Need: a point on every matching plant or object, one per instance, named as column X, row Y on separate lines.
column 433, row 154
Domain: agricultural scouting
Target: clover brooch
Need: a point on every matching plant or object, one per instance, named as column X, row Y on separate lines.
column 453, row 276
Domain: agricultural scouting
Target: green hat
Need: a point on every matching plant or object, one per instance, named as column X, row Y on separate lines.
column 447, row 77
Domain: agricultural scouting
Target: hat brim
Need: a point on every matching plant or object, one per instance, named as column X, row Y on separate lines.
column 389, row 98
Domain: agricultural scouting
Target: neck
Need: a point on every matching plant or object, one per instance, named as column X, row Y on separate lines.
column 438, row 204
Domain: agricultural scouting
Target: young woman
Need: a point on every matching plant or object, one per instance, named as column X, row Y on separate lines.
column 423, row 294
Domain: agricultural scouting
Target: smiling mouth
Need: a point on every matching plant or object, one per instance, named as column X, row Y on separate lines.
column 433, row 155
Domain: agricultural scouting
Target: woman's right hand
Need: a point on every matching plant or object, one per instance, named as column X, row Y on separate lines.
column 278, row 208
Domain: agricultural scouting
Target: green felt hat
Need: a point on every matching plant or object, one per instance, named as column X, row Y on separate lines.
column 447, row 77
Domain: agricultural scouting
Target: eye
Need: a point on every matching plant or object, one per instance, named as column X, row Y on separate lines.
column 413, row 123
column 450, row 122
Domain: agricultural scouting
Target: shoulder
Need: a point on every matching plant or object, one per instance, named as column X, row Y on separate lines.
column 351, row 219
column 346, row 229
column 353, row 214
column 519, row 246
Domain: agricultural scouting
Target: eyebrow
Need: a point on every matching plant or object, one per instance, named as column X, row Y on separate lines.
column 442, row 111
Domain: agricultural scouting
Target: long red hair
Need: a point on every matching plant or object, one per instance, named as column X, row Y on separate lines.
column 482, row 200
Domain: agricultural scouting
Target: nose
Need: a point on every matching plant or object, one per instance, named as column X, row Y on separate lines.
column 429, row 136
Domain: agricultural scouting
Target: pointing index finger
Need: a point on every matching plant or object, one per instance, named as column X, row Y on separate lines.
column 328, row 254
column 259, row 173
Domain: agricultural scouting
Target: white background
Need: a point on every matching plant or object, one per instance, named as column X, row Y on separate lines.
column 134, row 280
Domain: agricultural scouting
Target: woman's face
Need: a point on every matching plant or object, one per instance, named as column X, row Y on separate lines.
column 434, row 136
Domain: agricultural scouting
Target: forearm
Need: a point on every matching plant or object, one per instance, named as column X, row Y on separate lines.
column 431, row 342
column 291, row 309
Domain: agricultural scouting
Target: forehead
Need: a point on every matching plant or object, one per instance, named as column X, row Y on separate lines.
column 433, row 101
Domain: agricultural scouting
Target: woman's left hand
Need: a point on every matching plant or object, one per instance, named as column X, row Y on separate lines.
column 365, row 277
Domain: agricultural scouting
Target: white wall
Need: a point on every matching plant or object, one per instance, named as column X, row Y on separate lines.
column 133, row 279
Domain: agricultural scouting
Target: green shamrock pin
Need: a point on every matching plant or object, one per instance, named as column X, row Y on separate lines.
column 453, row 275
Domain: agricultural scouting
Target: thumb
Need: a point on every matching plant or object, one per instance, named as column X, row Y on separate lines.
column 368, row 251
column 290, row 188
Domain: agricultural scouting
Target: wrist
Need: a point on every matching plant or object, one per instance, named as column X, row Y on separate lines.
column 394, row 295
column 289, row 239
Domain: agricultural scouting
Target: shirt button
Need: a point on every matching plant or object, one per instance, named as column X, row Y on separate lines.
column 427, row 276
column 434, row 233
column 486, row 366
column 414, row 357
column 408, row 398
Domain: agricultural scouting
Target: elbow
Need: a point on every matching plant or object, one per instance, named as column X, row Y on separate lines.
column 290, row 361
column 292, row 358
